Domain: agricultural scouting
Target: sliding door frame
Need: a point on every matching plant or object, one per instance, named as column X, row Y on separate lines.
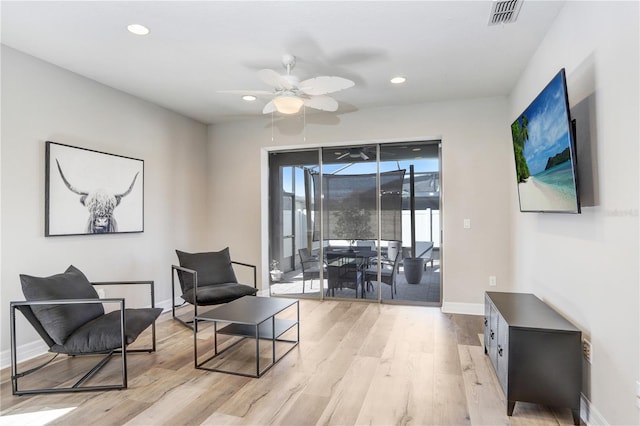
column 378, row 145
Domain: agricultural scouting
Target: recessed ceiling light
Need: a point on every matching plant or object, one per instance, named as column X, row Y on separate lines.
column 398, row 80
column 138, row 29
column 249, row 98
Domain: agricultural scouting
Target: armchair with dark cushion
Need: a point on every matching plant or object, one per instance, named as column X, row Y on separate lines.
column 66, row 312
column 208, row 279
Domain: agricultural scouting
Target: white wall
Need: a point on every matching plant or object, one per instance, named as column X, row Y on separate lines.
column 477, row 161
column 586, row 266
column 41, row 102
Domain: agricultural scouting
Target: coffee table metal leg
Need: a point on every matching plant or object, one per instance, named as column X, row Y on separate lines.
column 215, row 337
column 195, row 347
column 298, row 320
column 273, row 340
column 257, row 352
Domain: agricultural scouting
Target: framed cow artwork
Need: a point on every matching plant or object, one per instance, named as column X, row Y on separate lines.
column 92, row 192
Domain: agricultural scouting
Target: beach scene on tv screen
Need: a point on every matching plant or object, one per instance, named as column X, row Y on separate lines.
column 542, row 147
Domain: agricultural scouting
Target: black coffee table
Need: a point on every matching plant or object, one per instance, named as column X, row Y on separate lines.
column 249, row 317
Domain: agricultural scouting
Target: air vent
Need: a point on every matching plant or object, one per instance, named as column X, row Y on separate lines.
column 504, row 12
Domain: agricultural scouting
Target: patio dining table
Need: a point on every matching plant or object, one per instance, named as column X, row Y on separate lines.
column 345, row 268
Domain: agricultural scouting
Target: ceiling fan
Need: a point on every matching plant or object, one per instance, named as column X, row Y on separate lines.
column 354, row 153
column 289, row 94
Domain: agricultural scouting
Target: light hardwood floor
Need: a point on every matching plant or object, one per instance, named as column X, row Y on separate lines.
column 357, row 363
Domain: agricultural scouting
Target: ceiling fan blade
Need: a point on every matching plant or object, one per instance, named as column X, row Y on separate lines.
column 274, row 79
column 269, row 108
column 323, row 103
column 324, row 84
column 247, row 92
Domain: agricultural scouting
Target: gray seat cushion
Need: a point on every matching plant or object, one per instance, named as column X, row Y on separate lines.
column 59, row 321
column 103, row 333
column 219, row 293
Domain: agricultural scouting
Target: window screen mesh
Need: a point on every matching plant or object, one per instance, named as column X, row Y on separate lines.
column 349, row 203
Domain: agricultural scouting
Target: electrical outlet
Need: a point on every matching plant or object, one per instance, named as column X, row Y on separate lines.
column 492, row 281
column 586, row 350
column 101, row 293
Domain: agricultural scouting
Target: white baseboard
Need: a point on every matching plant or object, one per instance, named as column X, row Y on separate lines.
column 166, row 304
column 590, row 414
column 463, row 308
column 24, row 352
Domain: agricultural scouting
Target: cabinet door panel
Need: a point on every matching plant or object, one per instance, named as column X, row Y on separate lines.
column 493, row 336
column 502, row 351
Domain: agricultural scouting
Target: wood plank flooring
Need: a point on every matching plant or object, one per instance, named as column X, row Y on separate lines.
column 357, row 363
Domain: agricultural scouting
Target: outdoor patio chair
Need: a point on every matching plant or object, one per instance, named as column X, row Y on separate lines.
column 310, row 266
column 424, row 250
column 66, row 312
column 207, row 279
column 388, row 272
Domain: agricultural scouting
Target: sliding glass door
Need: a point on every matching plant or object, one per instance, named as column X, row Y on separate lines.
column 418, row 267
column 356, row 222
column 348, row 185
column 291, row 219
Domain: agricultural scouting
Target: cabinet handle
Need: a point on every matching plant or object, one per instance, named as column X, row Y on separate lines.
column 499, row 350
column 492, row 335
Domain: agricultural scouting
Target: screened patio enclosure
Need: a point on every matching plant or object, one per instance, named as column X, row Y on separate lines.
column 340, row 222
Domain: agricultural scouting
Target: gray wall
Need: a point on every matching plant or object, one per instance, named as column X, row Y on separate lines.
column 42, row 102
column 586, row 266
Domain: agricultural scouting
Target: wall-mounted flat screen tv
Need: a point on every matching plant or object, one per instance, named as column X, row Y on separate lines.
column 545, row 157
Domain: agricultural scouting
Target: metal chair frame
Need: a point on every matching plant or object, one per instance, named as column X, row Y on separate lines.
column 77, row 387
column 306, row 258
column 189, row 322
column 377, row 276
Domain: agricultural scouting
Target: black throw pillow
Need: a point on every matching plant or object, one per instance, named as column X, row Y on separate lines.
column 213, row 268
column 59, row 321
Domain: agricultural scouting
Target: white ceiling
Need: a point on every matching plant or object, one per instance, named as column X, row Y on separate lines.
column 446, row 49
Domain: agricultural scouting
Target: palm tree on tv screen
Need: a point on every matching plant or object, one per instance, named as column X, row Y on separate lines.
column 520, row 134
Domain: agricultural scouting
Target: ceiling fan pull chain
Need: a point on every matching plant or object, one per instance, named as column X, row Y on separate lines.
column 304, row 123
column 272, row 139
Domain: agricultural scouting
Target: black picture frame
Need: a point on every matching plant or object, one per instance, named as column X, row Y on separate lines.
column 90, row 192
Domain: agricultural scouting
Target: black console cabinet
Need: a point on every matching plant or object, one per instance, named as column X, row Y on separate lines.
column 536, row 353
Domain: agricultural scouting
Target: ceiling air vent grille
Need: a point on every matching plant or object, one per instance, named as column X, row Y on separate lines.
column 504, row 12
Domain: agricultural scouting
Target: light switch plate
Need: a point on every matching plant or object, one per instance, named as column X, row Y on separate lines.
column 467, row 224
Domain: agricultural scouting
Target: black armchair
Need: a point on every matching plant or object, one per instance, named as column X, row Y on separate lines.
column 208, row 279
column 68, row 315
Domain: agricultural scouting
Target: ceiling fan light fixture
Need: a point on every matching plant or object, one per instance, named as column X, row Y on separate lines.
column 288, row 104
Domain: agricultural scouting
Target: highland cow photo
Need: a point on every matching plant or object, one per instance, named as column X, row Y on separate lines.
column 92, row 192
